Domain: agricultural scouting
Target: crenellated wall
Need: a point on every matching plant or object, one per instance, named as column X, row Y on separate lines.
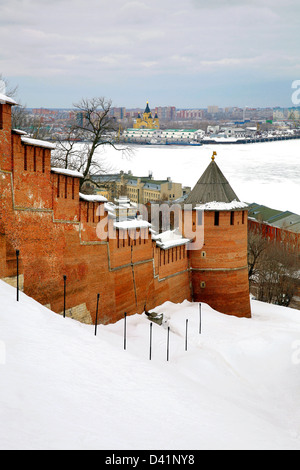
column 43, row 215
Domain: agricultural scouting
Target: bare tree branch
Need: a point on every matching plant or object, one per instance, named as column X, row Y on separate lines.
column 91, row 128
column 273, row 270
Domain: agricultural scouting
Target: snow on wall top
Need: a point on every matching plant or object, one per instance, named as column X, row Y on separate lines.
column 92, row 197
column 6, row 99
column 18, row 131
column 169, row 239
column 36, row 142
column 131, row 224
column 221, row 206
column 63, row 171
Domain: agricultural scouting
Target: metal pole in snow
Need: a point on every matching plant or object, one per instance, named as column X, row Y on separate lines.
column 96, row 322
column 168, row 343
column 150, row 354
column 200, row 319
column 186, row 331
column 65, row 280
column 125, row 315
column 17, row 254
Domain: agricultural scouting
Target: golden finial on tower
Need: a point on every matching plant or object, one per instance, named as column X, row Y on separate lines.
column 214, row 156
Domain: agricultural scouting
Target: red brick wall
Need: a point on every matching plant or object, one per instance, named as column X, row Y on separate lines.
column 5, row 137
column 289, row 239
column 42, row 215
column 219, row 269
column 31, row 175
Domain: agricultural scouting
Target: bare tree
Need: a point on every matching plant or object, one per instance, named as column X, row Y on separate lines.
column 20, row 117
column 68, row 152
column 91, row 128
column 6, row 88
column 273, row 270
column 257, row 245
column 19, row 111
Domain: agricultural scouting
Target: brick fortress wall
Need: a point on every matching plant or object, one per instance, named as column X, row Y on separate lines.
column 43, row 216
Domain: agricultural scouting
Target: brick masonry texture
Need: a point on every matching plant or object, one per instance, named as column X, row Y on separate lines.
column 42, row 215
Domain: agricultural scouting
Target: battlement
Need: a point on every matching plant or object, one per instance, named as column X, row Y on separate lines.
column 62, row 232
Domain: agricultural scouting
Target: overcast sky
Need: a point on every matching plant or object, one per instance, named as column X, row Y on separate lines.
column 184, row 53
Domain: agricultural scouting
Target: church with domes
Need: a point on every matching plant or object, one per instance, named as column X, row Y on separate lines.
column 146, row 121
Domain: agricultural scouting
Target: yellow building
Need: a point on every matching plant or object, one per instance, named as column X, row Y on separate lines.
column 138, row 189
column 146, row 121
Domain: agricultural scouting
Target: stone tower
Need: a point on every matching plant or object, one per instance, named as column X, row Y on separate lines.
column 219, row 271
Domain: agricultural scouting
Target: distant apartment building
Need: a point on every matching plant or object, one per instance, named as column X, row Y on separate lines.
column 190, row 114
column 166, row 113
column 138, row 189
column 118, row 113
column 44, row 112
column 213, row 109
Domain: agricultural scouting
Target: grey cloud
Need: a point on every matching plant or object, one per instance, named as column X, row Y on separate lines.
column 116, row 40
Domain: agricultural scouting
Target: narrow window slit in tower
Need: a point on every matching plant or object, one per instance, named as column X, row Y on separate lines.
column 43, row 161
column 217, row 218
column 1, row 116
column 25, row 158
column 34, row 159
column 232, row 218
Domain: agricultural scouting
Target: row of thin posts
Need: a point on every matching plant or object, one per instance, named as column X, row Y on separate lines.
column 168, row 334
column 125, row 317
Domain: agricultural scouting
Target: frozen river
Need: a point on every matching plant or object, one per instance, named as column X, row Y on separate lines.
column 266, row 173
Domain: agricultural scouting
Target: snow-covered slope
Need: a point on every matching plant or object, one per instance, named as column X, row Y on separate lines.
column 236, row 387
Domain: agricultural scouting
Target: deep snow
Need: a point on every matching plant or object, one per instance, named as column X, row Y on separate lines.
column 236, row 387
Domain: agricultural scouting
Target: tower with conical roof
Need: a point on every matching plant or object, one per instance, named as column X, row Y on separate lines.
column 219, row 271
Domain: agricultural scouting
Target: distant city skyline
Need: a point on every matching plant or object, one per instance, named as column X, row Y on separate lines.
column 190, row 54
